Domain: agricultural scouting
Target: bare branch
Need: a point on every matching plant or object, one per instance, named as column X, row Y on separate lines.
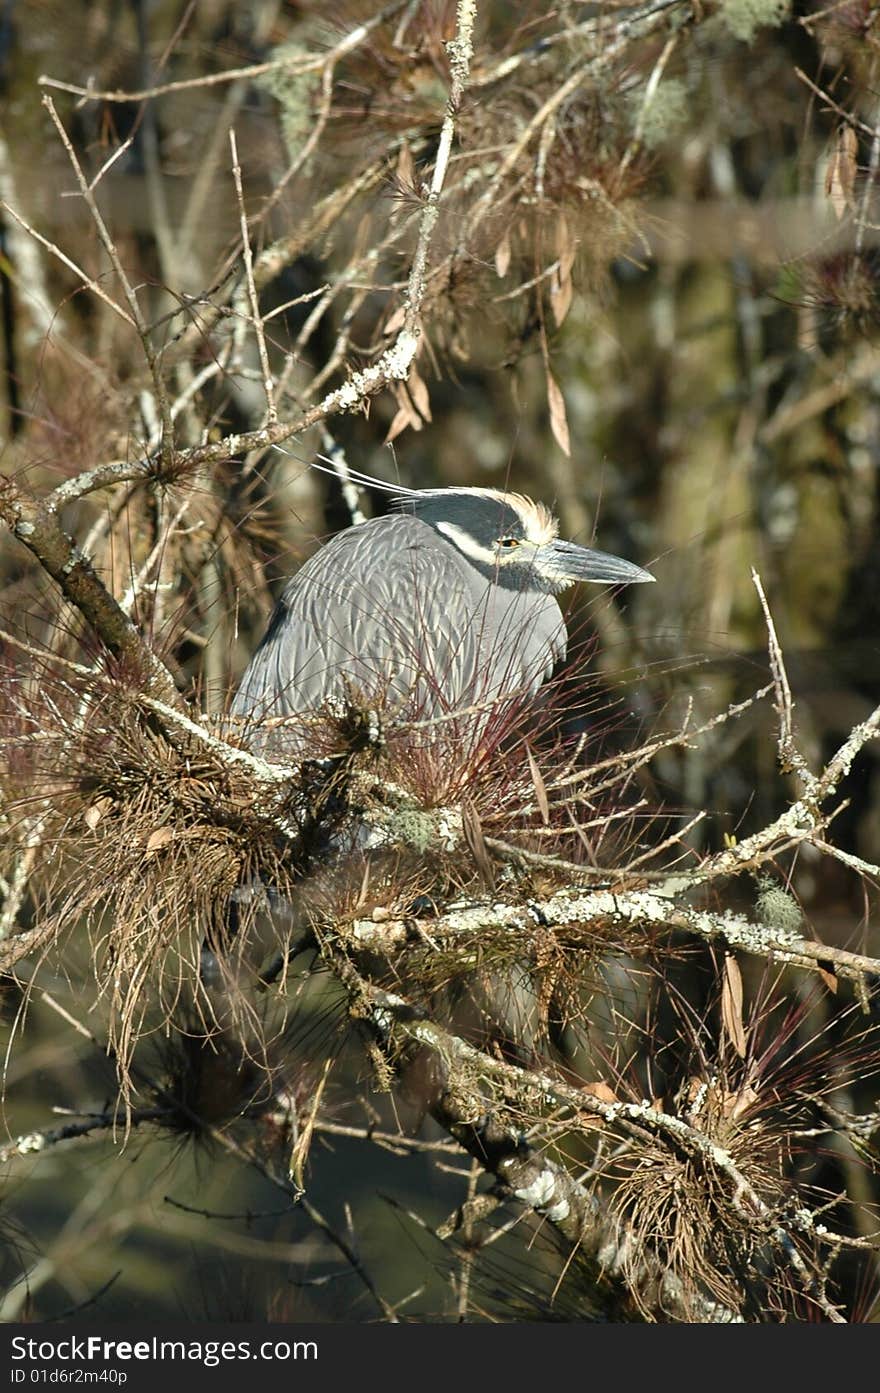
column 67, row 261
column 134, row 306
column 256, row 318
column 38, row 529
column 790, row 756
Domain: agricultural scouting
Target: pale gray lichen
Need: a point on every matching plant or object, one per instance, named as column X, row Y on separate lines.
column 744, row 18
column 460, row 48
column 379, row 934
column 776, row 907
column 76, row 558
column 662, row 115
column 294, row 92
column 422, row 829
column 414, row 828
column 558, row 1211
column 399, row 358
column 540, row 1192
column 394, row 365
column 30, row 1143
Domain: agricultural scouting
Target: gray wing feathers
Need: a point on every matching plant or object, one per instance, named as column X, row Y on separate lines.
column 390, row 615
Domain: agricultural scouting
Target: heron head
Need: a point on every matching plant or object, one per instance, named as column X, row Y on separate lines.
column 515, row 542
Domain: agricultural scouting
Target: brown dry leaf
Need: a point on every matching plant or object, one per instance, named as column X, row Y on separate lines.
column 734, row 1103
column 419, row 393
column 300, row 1153
column 561, row 284
column 365, row 885
column 93, row 814
column 540, row 788
column 829, row 979
column 732, row 1004
column 473, row 835
column 406, row 170
column 502, row 256
column 402, row 419
column 558, row 418
column 565, row 243
column 561, row 293
column 695, row 1086
column 601, row 1091
column 395, row 323
column 406, row 415
column 840, row 176
column 159, row 838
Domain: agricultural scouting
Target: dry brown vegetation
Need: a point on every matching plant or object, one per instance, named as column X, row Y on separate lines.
column 575, row 1018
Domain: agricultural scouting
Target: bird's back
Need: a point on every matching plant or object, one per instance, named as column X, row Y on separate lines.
column 389, row 616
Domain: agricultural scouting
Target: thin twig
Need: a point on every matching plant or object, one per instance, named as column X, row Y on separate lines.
column 256, row 319
column 67, row 261
column 33, row 1143
column 650, row 92
column 294, row 66
column 134, row 306
column 790, row 756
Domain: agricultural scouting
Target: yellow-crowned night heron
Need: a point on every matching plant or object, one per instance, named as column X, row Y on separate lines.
column 445, row 605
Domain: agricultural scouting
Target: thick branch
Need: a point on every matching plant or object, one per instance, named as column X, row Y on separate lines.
column 535, row 1179
column 577, row 907
column 34, row 525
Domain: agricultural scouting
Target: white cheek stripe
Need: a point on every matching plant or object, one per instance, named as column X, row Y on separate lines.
column 523, row 555
column 466, row 543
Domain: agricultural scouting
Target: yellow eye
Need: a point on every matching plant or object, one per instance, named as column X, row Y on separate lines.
column 508, row 543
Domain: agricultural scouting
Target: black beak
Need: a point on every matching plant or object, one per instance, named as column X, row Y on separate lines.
column 581, row 563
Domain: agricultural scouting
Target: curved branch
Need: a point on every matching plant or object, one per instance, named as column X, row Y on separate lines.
column 35, row 525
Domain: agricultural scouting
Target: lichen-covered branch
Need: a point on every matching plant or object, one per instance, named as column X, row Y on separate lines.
column 475, row 1092
column 574, row 909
